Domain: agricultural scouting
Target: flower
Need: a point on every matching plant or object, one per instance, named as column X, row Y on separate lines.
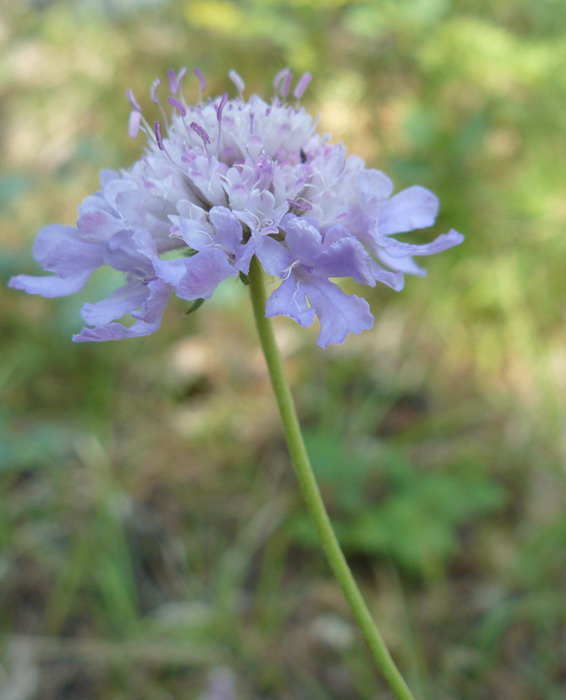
column 224, row 180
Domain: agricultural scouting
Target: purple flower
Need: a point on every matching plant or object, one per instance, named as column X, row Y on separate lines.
column 221, row 181
column 144, row 296
column 308, row 260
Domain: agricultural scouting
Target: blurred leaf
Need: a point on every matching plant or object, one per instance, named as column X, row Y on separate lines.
column 383, row 504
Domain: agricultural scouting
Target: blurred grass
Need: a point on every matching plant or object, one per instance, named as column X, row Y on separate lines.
column 150, row 530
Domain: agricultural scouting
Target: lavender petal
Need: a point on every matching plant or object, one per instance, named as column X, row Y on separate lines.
column 413, row 208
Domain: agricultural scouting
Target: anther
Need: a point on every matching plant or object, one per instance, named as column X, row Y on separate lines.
column 197, row 128
column 158, row 137
column 296, row 204
column 302, row 85
column 155, row 85
column 237, row 80
column 200, row 77
column 132, row 100
column 286, row 85
column 177, row 105
column 175, row 80
column 220, row 108
column 279, row 77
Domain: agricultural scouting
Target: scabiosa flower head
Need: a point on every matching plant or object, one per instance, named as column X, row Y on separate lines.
column 224, row 180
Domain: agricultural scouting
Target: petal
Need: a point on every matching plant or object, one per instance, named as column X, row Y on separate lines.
column 115, row 331
column 50, row 286
column 157, row 298
column 142, row 209
column 97, row 218
column 244, row 255
column 62, row 250
column 404, row 265
column 395, row 280
column 198, row 235
column 122, row 301
column 274, row 257
column 398, row 249
column 145, row 244
column 228, row 230
column 204, row 272
column 346, row 257
column 189, row 210
column 336, row 233
column 303, row 239
column 289, row 300
column 170, row 271
column 339, row 314
column 128, row 251
column 415, row 207
column 374, row 184
column 149, row 319
column 99, row 223
column 107, row 176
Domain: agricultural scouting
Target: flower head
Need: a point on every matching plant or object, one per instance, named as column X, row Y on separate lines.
column 224, row 180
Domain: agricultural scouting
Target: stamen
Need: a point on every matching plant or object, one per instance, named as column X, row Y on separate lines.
column 237, row 80
column 302, row 85
column 155, row 85
column 159, row 140
column 197, row 128
column 297, row 204
column 180, row 75
column 172, row 77
column 220, row 108
column 295, row 293
column 200, row 77
column 158, row 137
column 279, row 77
column 287, row 272
column 132, row 100
column 286, row 85
column 134, row 123
column 175, row 80
column 156, row 100
column 254, row 216
column 177, row 105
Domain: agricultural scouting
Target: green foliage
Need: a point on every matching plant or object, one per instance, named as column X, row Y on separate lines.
column 382, row 503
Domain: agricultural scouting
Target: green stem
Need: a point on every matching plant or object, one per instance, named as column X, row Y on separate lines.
column 311, row 492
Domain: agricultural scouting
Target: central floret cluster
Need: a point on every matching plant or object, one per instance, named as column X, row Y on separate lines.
column 220, row 182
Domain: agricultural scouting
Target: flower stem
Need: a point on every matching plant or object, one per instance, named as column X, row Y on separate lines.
column 311, row 492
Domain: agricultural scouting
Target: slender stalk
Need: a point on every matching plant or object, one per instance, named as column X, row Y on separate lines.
column 311, row 492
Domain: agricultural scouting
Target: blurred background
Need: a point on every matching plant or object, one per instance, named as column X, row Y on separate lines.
column 153, row 543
